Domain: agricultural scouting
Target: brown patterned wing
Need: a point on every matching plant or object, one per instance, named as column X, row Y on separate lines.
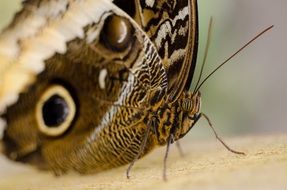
column 55, row 55
column 173, row 28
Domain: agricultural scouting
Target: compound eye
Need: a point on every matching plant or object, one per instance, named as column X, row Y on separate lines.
column 55, row 111
column 187, row 105
column 117, row 33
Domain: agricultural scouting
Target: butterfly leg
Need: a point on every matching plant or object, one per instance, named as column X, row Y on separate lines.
column 142, row 146
column 177, row 142
column 218, row 138
column 179, row 148
column 169, row 141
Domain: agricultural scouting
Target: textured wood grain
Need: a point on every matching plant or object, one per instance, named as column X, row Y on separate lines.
column 206, row 165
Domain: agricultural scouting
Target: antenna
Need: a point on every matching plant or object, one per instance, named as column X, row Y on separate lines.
column 232, row 56
column 205, row 51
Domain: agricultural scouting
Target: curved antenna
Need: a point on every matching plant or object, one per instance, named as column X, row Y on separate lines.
column 232, row 56
column 205, row 51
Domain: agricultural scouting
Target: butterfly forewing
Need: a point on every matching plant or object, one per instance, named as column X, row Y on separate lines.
column 173, row 28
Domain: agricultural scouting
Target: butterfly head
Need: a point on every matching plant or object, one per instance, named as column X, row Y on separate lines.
column 189, row 110
column 178, row 117
column 191, row 103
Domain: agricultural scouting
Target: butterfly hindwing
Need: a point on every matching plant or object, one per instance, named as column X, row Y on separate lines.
column 106, row 87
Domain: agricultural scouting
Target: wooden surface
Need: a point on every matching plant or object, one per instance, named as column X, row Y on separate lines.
column 206, row 165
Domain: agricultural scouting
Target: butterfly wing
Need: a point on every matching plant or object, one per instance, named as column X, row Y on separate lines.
column 173, row 28
column 62, row 59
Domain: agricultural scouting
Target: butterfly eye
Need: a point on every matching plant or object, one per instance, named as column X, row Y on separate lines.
column 187, row 104
column 116, row 33
column 55, row 111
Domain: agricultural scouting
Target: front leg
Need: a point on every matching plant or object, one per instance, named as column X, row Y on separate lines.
column 218, row 138
column 150, row 125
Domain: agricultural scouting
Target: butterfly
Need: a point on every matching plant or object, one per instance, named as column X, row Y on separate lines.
column 89, row 85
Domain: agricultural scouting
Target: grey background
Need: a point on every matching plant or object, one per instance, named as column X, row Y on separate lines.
column 248, row 96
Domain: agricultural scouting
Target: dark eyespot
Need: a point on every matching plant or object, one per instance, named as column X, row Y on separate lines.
column 55, row 111
column 117, row 33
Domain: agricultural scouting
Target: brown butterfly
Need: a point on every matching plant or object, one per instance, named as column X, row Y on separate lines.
column 96, row 89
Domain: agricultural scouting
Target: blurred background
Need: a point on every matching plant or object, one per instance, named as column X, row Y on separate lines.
column 247, row 96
